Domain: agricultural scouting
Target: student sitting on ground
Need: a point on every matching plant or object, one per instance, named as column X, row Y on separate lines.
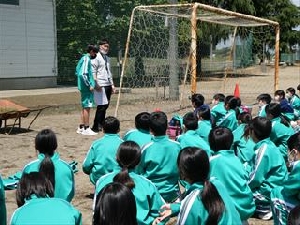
column 49, row 163
column 218, row 110
column 232, row 111
column 101, row 158
column 141, row 134
column 38, row 206
column 148, row 200
column 294, row 101
column 190, row 138
column 115, row 205
column 269, row 169
column 263, row 100
column 287, row 196
column 158, row 160
column 204, row 122
column 228, row 169
column 205, row 200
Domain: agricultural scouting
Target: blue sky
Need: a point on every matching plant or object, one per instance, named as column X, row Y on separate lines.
column 296, row 2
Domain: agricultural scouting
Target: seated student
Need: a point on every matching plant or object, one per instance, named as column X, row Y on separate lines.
column 242, row 144
column 286, row 108
column 148, row 200
column 190, row 138
column 269, row 169
column 227, row 168
column 230, row 119
column 115, row 205
column 263, row 100
column 141, row 134
column 294, row 216
column 294, row 101
column 218, row 110
column 205, row 200
column 49, row 163
column 197, row 101
column 281, row 128
column 158, row 158
column 101, row 158
column 287, row 196
column 37, row 206
column 2, row 204
column 204, row 122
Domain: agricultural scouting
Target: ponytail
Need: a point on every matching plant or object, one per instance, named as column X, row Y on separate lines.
column 48, row 170
column 124, row 178
column 212, row 202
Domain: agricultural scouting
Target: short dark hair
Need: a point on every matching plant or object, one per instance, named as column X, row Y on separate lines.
column 220, row 97
column 294, row 142
column 104, row 41
column 261, row 127
column 231, row 101
column 265, row 97
column 220, row 138
column 280, row 93
column 291, row 90
column 298, row 87
column 190, row 121
column 245, row 117
column 90, row 48
column 158, row 123
column 111, row 125
column 204, row 112
column 198, row 99
column 33, row 183
column 115, row 205
column 142, row 121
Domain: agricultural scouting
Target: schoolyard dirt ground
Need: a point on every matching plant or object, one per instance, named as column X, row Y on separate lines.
column 17, row 149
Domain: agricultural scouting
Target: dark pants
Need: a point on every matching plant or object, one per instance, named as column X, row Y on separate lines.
column 101, row 110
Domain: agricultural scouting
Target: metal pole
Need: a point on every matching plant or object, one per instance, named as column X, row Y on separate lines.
column 194, row 50
column 276, row 75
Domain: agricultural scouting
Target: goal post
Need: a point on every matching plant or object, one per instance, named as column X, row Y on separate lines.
column 175, row 50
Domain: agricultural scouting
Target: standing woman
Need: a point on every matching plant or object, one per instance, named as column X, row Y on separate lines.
column 37, row 205
column 49, row 163
column 104, row 84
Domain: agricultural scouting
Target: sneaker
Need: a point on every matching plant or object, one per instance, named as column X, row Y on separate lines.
column 79, row 130
column 265, row 216
column 88, row 131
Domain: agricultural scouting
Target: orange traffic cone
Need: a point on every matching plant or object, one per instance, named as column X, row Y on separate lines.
column 236, row 92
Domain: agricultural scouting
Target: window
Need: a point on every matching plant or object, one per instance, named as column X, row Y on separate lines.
column 9, row 2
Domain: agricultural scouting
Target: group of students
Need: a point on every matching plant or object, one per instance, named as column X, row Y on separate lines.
column 224, row 168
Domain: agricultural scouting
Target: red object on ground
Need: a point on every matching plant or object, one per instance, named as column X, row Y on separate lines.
column 236, row 92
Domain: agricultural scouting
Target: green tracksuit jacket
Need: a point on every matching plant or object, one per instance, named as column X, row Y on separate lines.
column 191, row 139
column 192, row 211
column 64, row 176
column 84, row 74
column 101, row 158
column 204, row 127
column 148, row 200
column 227, row 168
column 229, row 120
column 158, row 164
column 52, row 211
column 2, row 204
column 141, row 137
column 218, row 112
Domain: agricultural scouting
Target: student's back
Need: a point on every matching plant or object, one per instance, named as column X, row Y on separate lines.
column 158, row 161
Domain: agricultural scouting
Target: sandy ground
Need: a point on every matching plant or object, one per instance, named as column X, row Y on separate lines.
column 17, row 149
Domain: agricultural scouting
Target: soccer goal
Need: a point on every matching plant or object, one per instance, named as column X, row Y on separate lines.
column 173, row 51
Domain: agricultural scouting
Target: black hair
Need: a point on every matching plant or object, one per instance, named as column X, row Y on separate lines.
column 245, row 117
column 298, row 87
column 261, row 127
column 238, row 101
column 115, row 205
column 46, row 143
column 294, row 216
column 204, row 112
column 280, row 93
column 34, row 183
column 111, row 125
column 265, row 97
column 198, row 100
column 294, row 142
column 232, row 103
column 142, row 121
column 158, row 123
column 220, row 97
column 128, row 156
column 104, row 41
column 190, row 121
column 91, row 48
column 220, row 138
column 291, row 90
column 193, row 165
column 273, row 110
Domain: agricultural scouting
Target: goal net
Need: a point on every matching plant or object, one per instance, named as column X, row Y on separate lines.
column 173, row 51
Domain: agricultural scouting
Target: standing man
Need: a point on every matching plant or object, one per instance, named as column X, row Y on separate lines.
column 104, row 84
column 86, row 85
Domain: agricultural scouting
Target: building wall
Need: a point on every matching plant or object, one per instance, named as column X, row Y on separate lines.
column 28, row 56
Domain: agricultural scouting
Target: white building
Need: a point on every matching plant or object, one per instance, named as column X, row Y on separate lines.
column 28, row 53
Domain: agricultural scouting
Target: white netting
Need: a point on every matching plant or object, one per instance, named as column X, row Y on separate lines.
column 161, row 57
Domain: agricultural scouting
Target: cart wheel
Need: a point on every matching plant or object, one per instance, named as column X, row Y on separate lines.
column 0, row 123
